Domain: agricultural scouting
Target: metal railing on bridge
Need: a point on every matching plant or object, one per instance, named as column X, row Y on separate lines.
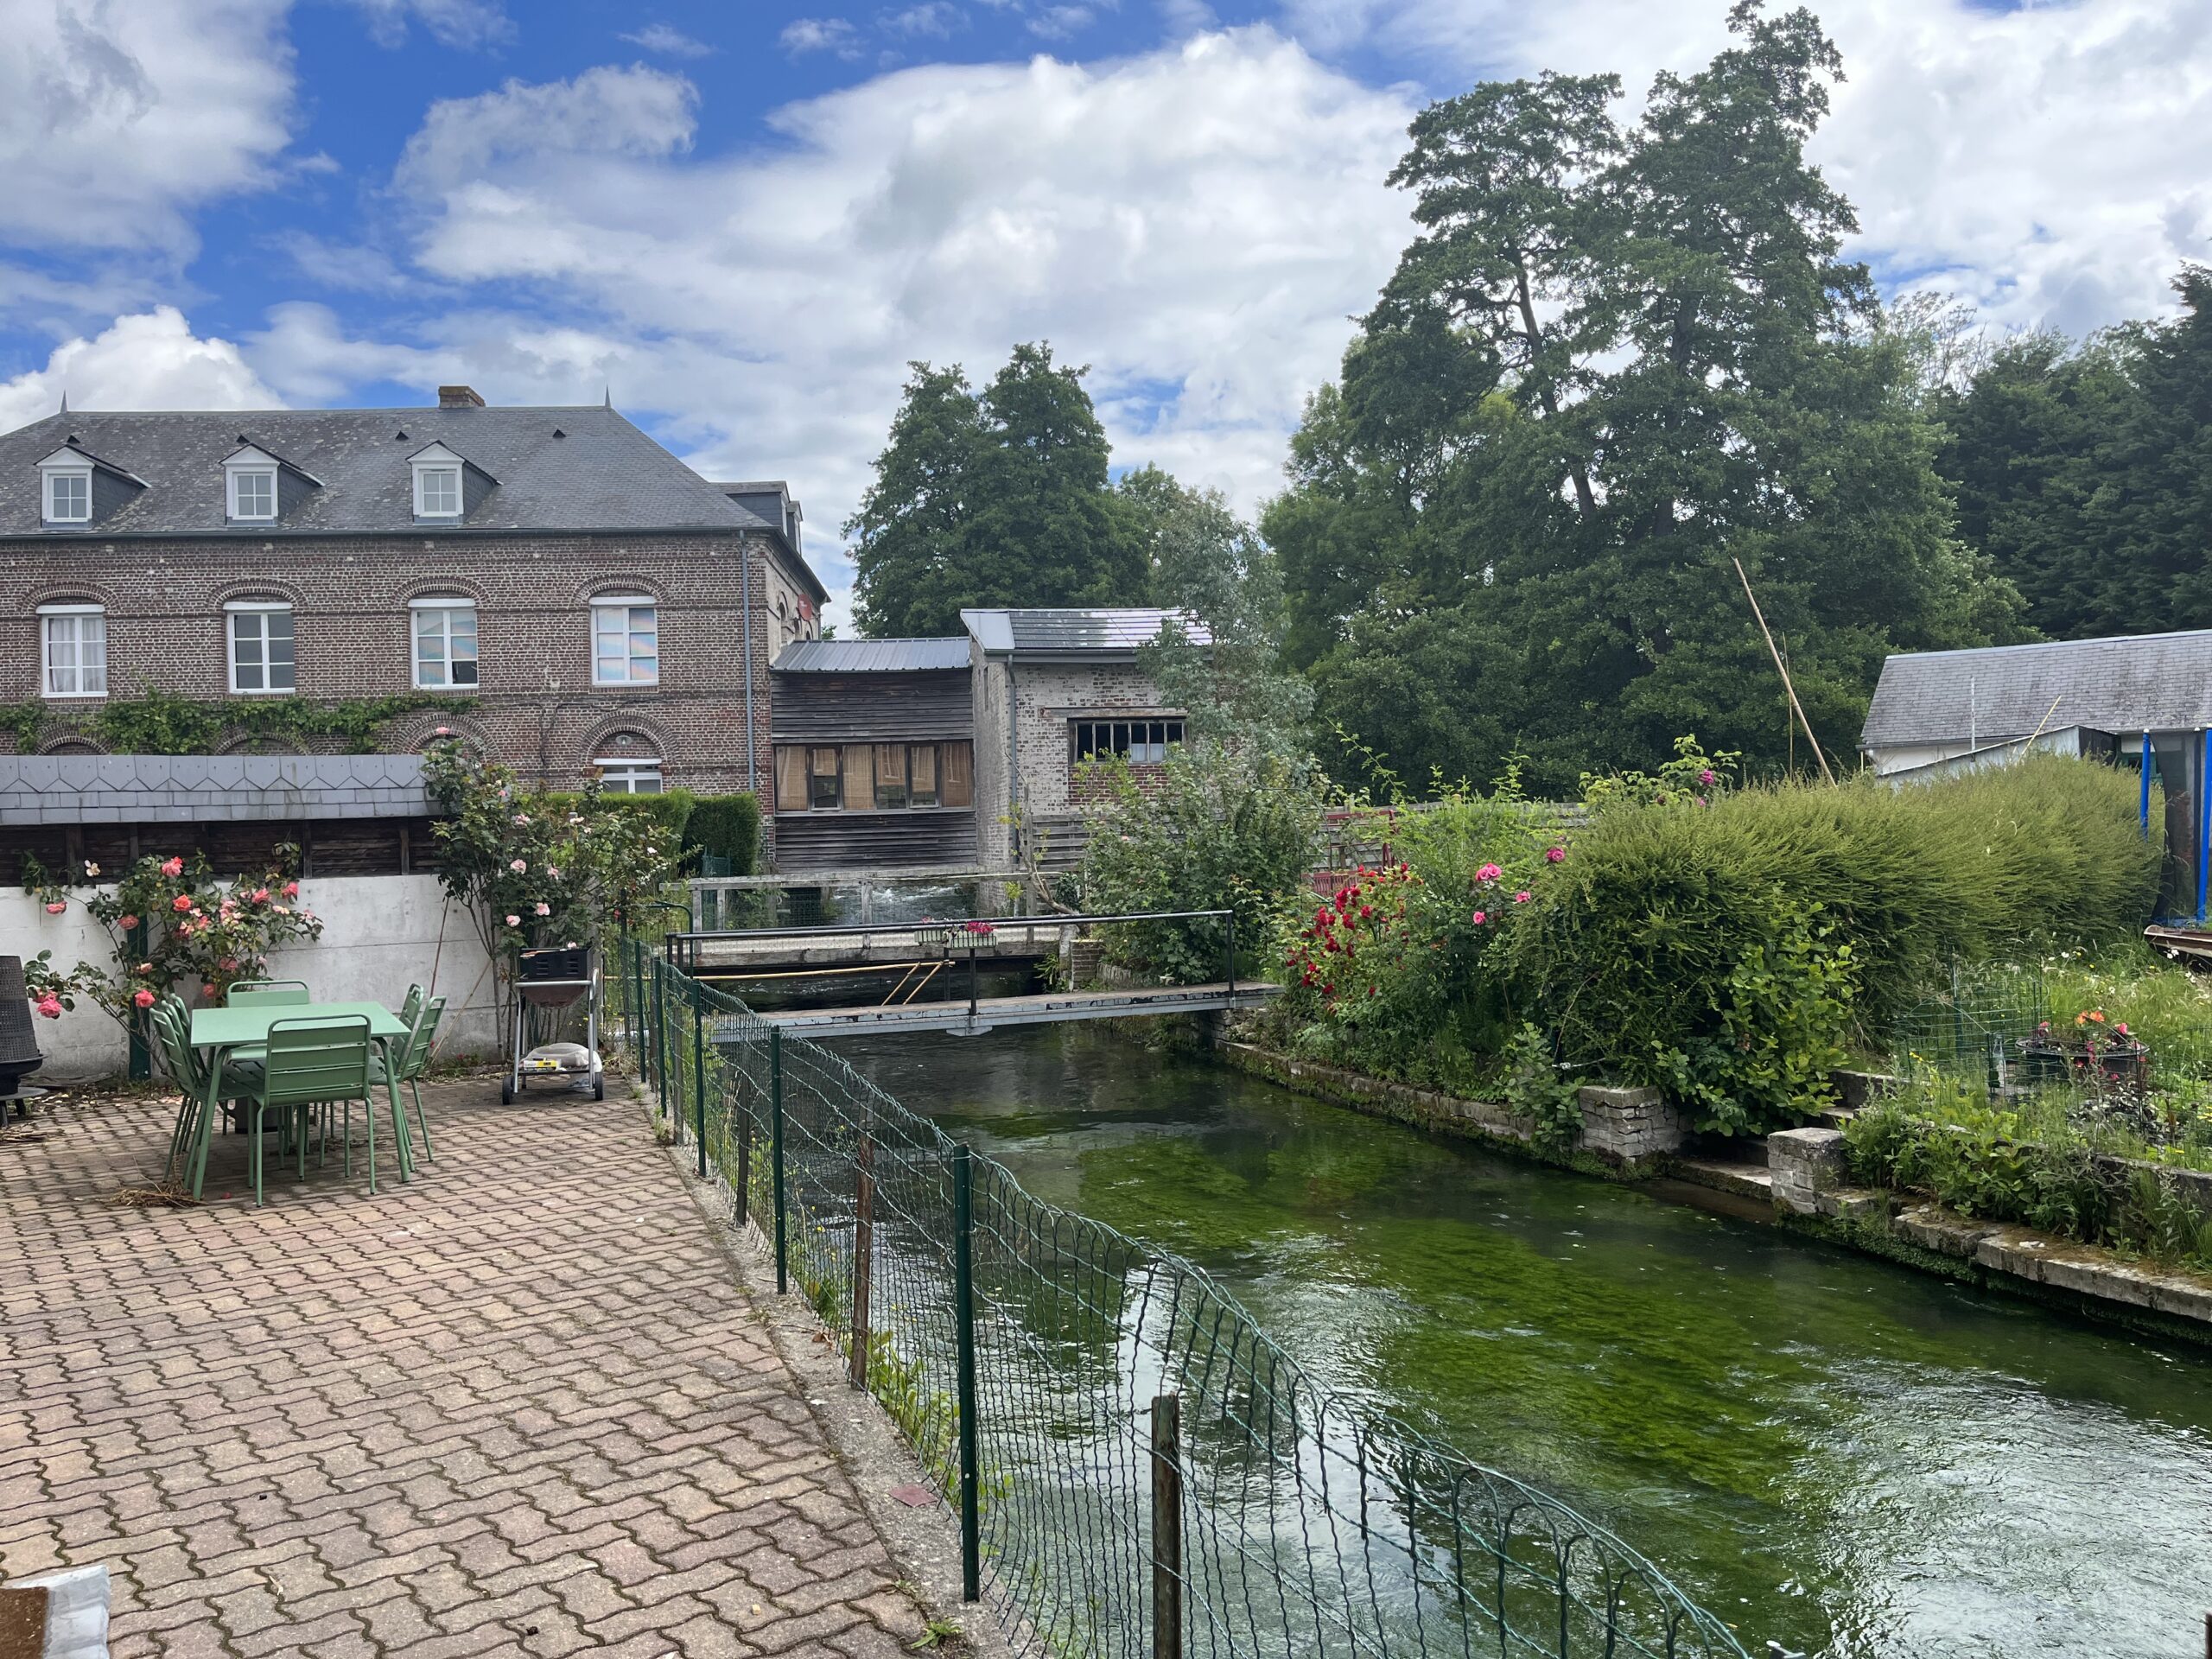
column 1137, row 1469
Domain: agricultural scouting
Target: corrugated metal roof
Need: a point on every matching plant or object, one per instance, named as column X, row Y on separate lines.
column 600, row 473
column 1075, row 633
column 2156, row 682
column 205, row 789
column 871, row 655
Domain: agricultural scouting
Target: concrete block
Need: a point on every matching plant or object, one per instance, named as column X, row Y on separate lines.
column 1935, row 1229
column 1805, row 1164
column 1630, row 1124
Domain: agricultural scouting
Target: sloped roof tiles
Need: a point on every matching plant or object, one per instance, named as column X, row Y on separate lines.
column 2138, row 683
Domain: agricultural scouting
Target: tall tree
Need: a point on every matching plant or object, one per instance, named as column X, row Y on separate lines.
column 1628, row 358
column 996, row 498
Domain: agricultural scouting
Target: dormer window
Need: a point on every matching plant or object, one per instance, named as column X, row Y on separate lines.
column 437, row 492
column 69, row 495
column 253, row 493
column 259, row 487
column 446, row 486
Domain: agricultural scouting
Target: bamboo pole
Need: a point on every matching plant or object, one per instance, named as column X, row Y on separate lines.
column 1786, row 685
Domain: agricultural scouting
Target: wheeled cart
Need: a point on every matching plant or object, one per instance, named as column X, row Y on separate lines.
column 549, row 981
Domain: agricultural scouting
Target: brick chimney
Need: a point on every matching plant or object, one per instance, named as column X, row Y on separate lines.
column 459, row 398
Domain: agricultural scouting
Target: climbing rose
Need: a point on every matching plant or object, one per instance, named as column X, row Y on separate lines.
column 1706, row 777
column 49, row 1006
column 1488, row 873
column 1523, row 897
column 544, row 910
column 443, row 731
column 92, row 871
column 519, row 866
column 553, row 870
column 228, row 964
column 1553, row 855
column 145, row 966
column 207, row 987
column 1481, row 916
column 291, row 889
column 514, row 921
column 126, row 922
column 173, row 867
column 143, row 998
column 261, row 895
column 181, row 903
column 55, row 908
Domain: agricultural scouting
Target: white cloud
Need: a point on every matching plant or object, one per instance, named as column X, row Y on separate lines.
column 669, row 41
column 1196, row 224
column 1058, row 23
column 116, row 119
column 463, row 23
column 2049, row 161
column 150, row 360
column 933, row 19
column 805, row 35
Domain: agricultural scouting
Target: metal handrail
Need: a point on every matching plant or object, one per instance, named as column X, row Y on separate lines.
column 821, row 928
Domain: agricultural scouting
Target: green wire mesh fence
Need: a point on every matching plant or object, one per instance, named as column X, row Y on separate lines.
column 1137, row 1468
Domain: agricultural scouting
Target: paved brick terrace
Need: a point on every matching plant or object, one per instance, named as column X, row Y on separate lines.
column 520, row 1406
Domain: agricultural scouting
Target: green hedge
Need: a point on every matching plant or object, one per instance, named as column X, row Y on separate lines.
column 671, row 808
column 726, row 826
column 1724, row 953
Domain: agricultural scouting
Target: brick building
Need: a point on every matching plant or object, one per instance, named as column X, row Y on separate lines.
column 595, row 603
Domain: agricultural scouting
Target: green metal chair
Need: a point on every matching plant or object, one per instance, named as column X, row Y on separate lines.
column 170, row 1023
column 288, row 992
column 415, row 997
column 414, row 1058
column 311, row 1063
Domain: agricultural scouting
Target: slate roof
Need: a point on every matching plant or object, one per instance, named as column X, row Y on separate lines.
column 2155, row 682
column 604, row 474
column 203, row 789
column 871, row 656
column 1074, row 633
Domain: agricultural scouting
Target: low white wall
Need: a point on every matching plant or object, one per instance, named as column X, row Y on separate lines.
column 380, row 934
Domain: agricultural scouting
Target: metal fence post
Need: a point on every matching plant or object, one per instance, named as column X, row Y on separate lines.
column 1167, row 1527
column 699, row 1070
column 660, row 1037
column 743, row 1196
column 971, row 977
column 1232, row 957
column 863, row 1256
column 963, row 1327
column 776, row 1151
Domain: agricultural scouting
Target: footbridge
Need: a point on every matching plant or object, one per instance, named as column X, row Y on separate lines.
column 936, row 970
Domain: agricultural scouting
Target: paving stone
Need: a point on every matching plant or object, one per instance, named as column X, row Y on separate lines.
column 519, row 1405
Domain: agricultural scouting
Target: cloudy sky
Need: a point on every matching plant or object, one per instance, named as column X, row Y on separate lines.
column 745, row 219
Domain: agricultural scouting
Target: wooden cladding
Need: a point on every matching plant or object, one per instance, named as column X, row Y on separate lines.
column 232, row 848
column 875, row 777
column 918, row 705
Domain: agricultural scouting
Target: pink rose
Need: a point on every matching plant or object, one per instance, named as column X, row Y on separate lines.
column 514, row 921
column 1523, row 897
column 1706, row 777
column 56, row 908
column 126, row 922
column 519, row 866
column 545, row 910
column 443, row 731
column 228, row 964
column 1488, row 873
column 181, row 903
column 1553, row 855
column 173, row 867
column 291, row 889
column 207, row 987
column 554, row 871
column 261, row 895
column 145, row 966
column 1481, row 916
column 143, row 998
column 49, row 1006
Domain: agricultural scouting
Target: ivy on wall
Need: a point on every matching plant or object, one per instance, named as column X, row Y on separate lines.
column 161, row 722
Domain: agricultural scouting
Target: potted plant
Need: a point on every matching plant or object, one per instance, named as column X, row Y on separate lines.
column 2096, row 1052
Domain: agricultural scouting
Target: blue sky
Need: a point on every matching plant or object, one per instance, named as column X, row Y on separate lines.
column 745, row 219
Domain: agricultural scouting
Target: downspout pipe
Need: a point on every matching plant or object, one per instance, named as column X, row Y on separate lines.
column 1012, row 765
column 745, row 600
column 2203, row 821
column 2145, row 809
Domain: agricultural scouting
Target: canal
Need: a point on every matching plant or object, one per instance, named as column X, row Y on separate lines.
column 1854, row 1458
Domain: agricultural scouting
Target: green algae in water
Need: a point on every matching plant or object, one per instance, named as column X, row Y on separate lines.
column 1832, row 1451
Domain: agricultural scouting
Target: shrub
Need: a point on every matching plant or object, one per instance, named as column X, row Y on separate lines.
column 1725, row 952
column 1209, row 830
column 726, row 827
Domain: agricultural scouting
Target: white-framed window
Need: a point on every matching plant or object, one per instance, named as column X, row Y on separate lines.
column 72, row 651
column 437, row 492
column 444, row 632
column 69, row 495
column 261, row 641
column 628, row 775
column 625, row 640
column 253, row 494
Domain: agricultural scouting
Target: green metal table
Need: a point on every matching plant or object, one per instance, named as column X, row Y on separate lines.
column 223, row 1031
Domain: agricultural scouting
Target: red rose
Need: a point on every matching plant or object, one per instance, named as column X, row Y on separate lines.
column 181, row 903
